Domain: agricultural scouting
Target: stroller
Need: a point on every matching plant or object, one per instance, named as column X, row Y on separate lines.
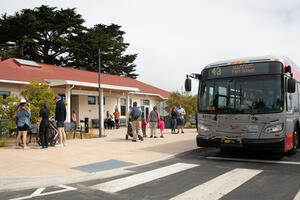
column 129, row 132
column 53, row 132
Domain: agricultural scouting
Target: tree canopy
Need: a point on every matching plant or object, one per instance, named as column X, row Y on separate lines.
column 57, row 36
column 36, row 94
column 188, row 102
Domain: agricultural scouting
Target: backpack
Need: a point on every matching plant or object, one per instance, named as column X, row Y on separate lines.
column 135, row 113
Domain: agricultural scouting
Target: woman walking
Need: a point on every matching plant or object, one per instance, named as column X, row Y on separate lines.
column 173, row 120
column 44, row 125
column 153, row 118
column 23, row 114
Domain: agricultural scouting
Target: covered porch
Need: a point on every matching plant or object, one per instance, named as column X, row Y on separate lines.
column 83, row 98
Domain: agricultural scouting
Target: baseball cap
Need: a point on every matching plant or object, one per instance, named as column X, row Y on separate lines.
column 57, row 96
column 23, row 100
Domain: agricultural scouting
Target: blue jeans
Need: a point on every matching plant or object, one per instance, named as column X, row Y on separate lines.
column 173, row 125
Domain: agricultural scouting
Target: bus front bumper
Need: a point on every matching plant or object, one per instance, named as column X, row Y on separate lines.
column 276, row 144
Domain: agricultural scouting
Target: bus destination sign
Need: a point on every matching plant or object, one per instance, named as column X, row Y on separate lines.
column 243, row 70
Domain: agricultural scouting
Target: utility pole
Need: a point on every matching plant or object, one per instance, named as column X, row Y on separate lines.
column 99, row 93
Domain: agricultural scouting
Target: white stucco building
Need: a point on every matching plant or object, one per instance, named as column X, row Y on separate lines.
column 79, row 88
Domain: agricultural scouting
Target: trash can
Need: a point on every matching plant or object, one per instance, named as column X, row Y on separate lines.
column 86, row 124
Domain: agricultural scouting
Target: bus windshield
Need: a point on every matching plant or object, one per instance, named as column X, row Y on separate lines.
column 244, row 95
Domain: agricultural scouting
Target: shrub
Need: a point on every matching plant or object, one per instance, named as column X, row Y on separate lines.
column 3, row 141
column 36, row 94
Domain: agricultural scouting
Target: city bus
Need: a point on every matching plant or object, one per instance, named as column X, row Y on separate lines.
column 249, row 103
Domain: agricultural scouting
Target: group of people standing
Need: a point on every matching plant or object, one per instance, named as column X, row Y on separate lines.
column 154, row 120
column 23, row 115
column 116, row 114
column 177, row 119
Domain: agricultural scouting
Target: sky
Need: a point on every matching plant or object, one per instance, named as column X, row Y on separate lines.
column 177, row 37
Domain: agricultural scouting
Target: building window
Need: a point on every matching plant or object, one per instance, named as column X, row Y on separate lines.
column 4, row 94
column 123, row 106
column 146, row 102
column 91, row 100
column 145, row 106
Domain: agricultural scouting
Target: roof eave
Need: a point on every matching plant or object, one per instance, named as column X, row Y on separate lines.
column 53, row 82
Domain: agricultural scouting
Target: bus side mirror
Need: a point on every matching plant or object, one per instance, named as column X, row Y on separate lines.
column 291, row 85
column 188, row 84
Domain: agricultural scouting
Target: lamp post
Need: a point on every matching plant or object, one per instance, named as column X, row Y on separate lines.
column 99, row 93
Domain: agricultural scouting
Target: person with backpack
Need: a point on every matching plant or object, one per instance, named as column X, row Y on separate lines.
column 153, row 118
column 135, row 115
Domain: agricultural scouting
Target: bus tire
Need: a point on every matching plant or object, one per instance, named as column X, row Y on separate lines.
column 295, row 141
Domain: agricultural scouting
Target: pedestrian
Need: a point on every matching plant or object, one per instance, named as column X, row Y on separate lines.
column 180, row 118
column 144, row 125
column 44, row 125
column 161, row 125
column 153, row 119
column 23, row 114
column 108, row 115
column 16, row 120
column 60, row 117
column 135, row 115
column 117, row 117
column 173, row 120
column 74, row 120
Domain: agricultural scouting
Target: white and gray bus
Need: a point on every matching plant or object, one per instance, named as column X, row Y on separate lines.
column 250, row 103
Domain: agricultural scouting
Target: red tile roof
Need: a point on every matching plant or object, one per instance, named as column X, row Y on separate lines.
column 10, row 69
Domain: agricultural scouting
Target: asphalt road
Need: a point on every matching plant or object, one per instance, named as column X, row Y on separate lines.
column 202, row 174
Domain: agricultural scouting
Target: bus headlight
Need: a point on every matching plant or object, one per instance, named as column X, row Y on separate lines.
column 275, row 128
column 203, row 128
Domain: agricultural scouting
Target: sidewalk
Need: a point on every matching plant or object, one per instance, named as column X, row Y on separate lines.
column 19, row 164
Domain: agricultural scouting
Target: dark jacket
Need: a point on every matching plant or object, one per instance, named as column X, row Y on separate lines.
column 60, row 111
column 44, row 114
column 174, row 114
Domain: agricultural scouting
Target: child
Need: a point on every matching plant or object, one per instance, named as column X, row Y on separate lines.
column 161, row 125
column 144, row 124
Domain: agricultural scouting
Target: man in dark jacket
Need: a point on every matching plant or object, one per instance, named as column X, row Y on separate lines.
column 60, row 117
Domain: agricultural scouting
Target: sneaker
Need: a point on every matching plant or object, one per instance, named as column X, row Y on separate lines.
column 133, row 140
column 177, row 131
column 59, row 145
column 182, row 132
column 141, row 138
column 162, row 136
column 151, row 136
column 155, row 136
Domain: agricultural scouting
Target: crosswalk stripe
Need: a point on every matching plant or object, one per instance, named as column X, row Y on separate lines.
column 297, row 197
column 219, row 186
column 137, row 179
